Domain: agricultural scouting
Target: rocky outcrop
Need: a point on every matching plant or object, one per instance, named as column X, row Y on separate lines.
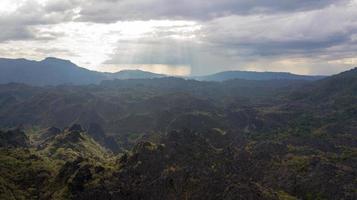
column 98, row 134
column 184, row 166
column 13, row 139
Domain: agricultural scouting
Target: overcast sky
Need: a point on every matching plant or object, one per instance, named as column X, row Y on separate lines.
column 184, row 37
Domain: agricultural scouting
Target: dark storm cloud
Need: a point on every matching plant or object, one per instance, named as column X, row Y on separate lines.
column 302, row 34
column 114, row 10
column 31, row 13
column 306, row 48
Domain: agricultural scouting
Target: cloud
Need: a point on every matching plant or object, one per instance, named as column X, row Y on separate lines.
column 15, row 33
column 21, row 22
column 110, row 11
column 297, row 41
column 48, row 51
column 301, row 36
column 198, row 10
column 316, row 36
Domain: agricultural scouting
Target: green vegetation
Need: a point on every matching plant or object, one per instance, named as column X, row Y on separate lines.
column 171, row 138
column 50, row 170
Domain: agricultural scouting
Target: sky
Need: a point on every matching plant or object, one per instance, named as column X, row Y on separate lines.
column 184, row 37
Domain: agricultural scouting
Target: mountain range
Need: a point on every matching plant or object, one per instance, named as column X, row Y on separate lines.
column 176, row 138
column 54, row 71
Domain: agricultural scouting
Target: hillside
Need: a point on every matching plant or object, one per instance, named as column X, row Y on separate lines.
column 136, row 107
column 340, row 86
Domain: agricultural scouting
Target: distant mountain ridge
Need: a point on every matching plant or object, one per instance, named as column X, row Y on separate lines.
column 134, row 74
column 250, row 75
column 50, row 71
column 54, row 71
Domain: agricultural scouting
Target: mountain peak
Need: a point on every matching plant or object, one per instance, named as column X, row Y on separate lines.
column 76, row 128
column 56, row 60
